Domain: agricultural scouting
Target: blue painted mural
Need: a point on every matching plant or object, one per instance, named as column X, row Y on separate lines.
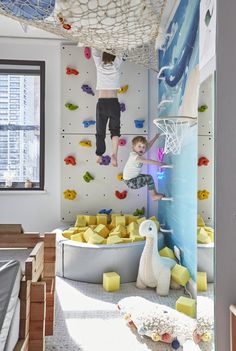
column 178, row 60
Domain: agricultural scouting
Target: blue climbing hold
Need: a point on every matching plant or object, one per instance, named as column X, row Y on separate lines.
column 88, row 123
column 104, row 211
column 175, row 344
column 139, row 123
column 28, row 10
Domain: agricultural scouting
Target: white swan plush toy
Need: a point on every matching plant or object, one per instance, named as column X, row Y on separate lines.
column 154, row 270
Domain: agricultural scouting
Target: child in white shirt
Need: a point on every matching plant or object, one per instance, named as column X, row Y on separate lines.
column 132, row 171
column 108, row 107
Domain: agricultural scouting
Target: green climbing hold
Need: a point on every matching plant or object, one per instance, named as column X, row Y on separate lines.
column 87, row 177
column 202, row 108
column 139, row 212
column 71, row 106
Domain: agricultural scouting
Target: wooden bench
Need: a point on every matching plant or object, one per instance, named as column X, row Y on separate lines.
column 37, row 287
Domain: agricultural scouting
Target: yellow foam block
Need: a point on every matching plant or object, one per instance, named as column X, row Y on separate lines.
column 129, row 218
column 200, row 221
column 114, row 239
column 78, row 237
column 104, row 241
column 137, row 238
column 113, row 218
column 133, row 233
column 95, row 239
column 120, row 220
column 127, row 240
column 89, row 232
column 202, row 236
column 167, row 252
column 201, row 281
column 112, row 233
column 92, row 226
column 80, row 221
column 186, row 306
column 91, row 220
column 102, row 218
column 81, row 229
column 102, row 230
column 210, row 233
column 111, row 281
column 140, row 220
column 110, row 226
column 154, row 219
column 67, row 233
column 180, row 274
column 132, row 226
column 74, row 229
column 120, row 228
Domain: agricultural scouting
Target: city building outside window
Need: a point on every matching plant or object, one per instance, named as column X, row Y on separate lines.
column 22, row 92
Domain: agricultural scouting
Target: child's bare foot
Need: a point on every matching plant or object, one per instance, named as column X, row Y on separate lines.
column 99, row 159
column 114, row 160
column 156, row 197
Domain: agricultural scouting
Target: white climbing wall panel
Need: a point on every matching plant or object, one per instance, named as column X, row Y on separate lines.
column 99, row 193
column 206, row 149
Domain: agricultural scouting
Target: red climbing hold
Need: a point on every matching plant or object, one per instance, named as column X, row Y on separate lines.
column 67, row 26
column 121, row 195
column 71, row 71
column 70, row 160
column 203, row 161
column 87, row 53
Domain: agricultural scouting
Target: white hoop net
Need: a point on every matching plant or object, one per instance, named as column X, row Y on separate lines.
column 174, row 131
column 130, row 27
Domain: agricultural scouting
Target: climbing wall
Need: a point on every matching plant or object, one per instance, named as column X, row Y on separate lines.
column 78, row 138
column 206, row 151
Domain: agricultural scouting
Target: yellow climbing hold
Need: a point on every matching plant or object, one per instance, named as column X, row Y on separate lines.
column 203, row 194
column 123, row 89
column 85, row 143
column 69, row 194
column 120, row 177
column 206, row 337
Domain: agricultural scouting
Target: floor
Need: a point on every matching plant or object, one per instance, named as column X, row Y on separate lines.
column 87, row 318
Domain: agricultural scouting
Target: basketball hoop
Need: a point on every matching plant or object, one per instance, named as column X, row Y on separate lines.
column 174, row 129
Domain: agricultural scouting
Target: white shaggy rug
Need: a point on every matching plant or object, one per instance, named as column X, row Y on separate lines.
column 87, row 318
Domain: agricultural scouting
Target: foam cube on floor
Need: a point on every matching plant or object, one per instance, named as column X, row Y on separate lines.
column 167, row 252
column 129, row 218
column 141, row 220
column 67, row 233
column 186, row 306
column 180, row 274
column 90, row 220
column 132, row 226
column 114, row 239
column 120, row 228
column 200, row 221
column 120, row 220
column 89, row 232
column 201, row 281
column 202, row 236
column 111, row 281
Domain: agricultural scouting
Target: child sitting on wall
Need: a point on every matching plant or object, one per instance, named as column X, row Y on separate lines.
column 132, row 171
column 108, row 107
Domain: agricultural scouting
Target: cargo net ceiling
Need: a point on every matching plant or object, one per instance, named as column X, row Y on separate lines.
column 120, row 27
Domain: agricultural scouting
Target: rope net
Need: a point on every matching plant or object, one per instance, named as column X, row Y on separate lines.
column 130, row 27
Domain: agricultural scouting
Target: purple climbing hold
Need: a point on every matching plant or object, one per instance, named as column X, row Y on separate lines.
column 160, row 154
column 122, row 107
column 105, row 160
column 87, row 89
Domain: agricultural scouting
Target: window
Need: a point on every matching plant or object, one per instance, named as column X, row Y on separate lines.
column 22, row 91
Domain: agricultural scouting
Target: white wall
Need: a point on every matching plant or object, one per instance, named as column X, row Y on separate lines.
column 225, row 172
column 38, row 211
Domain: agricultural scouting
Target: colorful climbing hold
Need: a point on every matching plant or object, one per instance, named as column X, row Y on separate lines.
column 203, row 161
column 206, row 337
column 87, row 89
column 104, row 211
column 160, row 154
column 70, row 71
column 70, row 160
column 69, row 194
column 123, row 89
column 202, row 108
column 175, row 344
column 120, row 177
column 88, row 123
column 121, row 195
column 122, row 107
column 122, row 142
column 85, row 143
column 71, row 107
column 87, row 53
column 66, row 26
column 138, row 212
column 139, row 123
column 203, row 194
column 166, row 337
column 87, row 177
column 105, row 160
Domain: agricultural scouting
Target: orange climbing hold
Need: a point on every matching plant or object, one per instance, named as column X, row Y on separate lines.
column 70, row 160
column 70, row 70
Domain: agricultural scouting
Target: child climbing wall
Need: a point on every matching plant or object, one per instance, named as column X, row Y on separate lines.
column 88, row 187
